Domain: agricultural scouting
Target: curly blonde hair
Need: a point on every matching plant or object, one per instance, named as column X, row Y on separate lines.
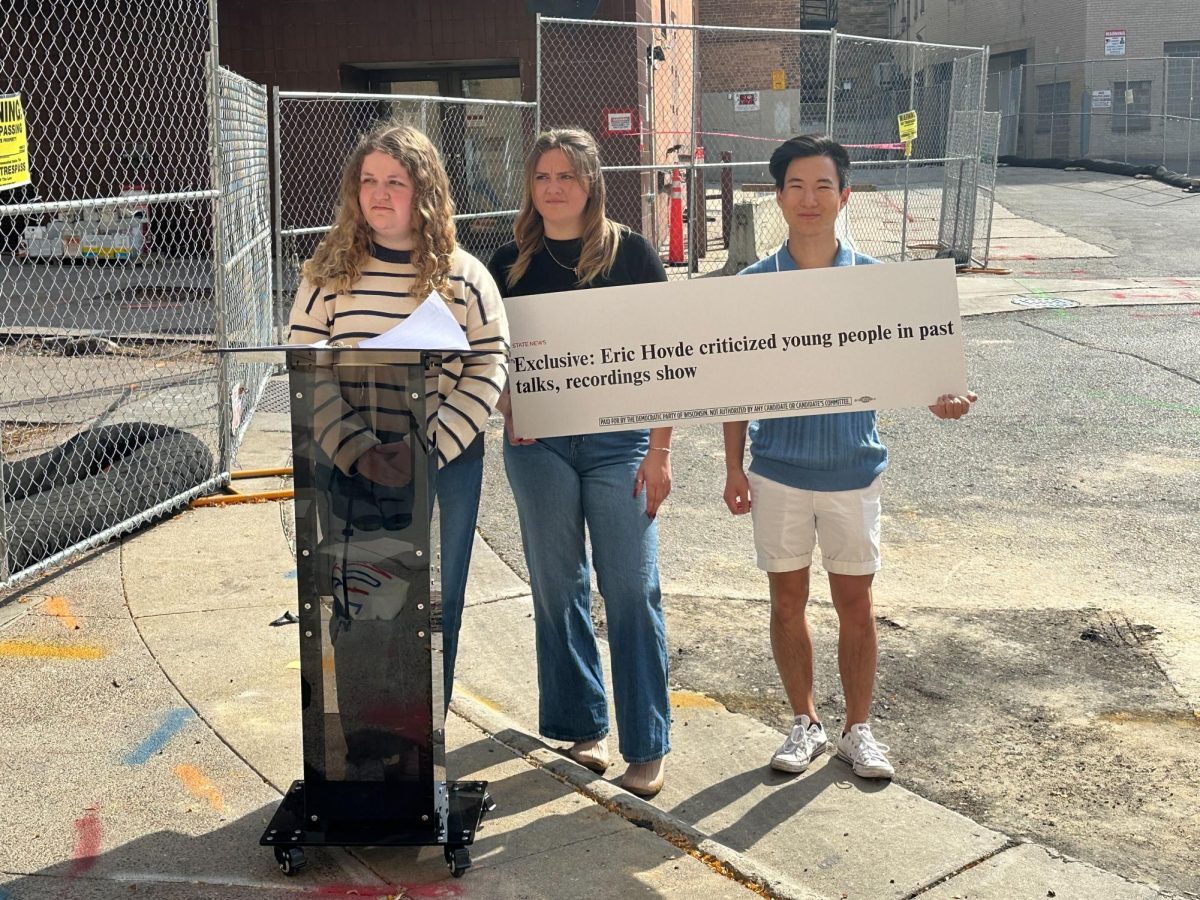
column 340, row 257
column 601, row 235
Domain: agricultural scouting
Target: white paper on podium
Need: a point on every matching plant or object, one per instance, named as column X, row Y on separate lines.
column 430, row 327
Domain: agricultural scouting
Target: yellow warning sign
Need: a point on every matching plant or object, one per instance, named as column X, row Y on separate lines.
column 14, row 155
column 778, row 80
column 908, row 125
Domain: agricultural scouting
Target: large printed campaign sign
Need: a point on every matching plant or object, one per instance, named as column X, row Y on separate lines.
column 749, row 347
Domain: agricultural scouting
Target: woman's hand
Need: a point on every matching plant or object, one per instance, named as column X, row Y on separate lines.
column 512, row 437
column 654, row 476
column 504, row 404
column 389, row 464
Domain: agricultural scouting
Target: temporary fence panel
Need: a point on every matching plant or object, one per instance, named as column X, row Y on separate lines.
column 244, row 251
column 956, row 227
column 1004, row 98
column 1140, row 111
column 985, row 188
column 703, row 107
column 111, row 414
column 482, row 143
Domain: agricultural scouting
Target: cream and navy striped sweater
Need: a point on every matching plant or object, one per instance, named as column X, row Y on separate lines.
column 459, row 395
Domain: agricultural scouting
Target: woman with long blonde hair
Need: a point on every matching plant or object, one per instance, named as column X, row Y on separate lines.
column 391, row 249
column 610, row 484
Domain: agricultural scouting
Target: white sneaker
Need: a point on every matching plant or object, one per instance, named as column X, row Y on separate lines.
column 806, row 742
column 865, row 755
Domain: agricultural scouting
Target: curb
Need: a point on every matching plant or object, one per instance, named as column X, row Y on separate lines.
column 725, row 860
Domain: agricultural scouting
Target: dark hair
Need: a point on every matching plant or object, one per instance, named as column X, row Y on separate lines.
column 810, row 145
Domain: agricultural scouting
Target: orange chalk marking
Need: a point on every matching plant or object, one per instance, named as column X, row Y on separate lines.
column 61, row 610
column 49, row 651
column 199, row 786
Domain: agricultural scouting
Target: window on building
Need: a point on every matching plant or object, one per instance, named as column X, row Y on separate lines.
column 1052, row 100
column 1183, row 78
column 1131, row 106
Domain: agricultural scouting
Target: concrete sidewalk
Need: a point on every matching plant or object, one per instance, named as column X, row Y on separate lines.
column 152, row 719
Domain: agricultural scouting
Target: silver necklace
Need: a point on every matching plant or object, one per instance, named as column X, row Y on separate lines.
column 573, row 269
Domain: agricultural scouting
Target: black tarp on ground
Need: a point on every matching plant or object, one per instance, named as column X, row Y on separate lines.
column 94, row 481
column 1111, row 166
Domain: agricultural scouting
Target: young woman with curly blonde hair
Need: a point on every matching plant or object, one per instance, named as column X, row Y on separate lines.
column 391, row 247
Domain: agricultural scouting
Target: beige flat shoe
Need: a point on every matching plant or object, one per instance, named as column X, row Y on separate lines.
column 644, row 779
column 591, row 754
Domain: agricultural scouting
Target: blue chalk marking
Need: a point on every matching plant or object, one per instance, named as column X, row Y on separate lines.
column 171, row 726
column 4, row 894
column 290, row 576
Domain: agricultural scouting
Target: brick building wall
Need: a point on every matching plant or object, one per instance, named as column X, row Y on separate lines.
column 334, row 45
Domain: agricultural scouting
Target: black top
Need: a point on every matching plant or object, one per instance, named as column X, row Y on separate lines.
column 552, row 267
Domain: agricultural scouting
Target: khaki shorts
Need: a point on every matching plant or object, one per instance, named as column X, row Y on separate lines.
column 789, row 522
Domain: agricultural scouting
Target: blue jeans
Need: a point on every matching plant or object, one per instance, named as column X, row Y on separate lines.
column 458, row 488
column 560, row 485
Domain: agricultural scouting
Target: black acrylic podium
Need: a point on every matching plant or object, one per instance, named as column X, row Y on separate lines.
column 371, row 699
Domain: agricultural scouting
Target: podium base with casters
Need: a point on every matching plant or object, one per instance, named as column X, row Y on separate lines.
column 372, row 711
column 462, row 806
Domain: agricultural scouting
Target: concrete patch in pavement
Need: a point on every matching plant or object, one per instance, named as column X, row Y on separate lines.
column 546, row 840
column 490, row 578
column 209, row 559
column 233, row 668
column 1034, row 872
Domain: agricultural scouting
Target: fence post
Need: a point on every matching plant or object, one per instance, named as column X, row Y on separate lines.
column 220, row 330
column 726, row 199
column 280, row 302
column 4, row 573
column 1165, row 107
column 537, row 110
column 830, row 77
column 912, row 99
column 1126, row 99
column 697, row 199
column 977, row 161
column 1020, row 118
column 1053, row 105
column 1191, row 111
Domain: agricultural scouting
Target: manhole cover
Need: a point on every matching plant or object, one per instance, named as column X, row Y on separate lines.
column 1043, row 302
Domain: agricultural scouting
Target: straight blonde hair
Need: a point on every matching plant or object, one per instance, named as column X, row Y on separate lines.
column 601, row 235
column 343, row 253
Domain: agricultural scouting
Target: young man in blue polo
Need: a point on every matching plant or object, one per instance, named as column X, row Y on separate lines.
column 816, row 479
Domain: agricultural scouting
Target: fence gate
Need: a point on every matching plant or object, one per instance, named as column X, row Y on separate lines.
column 118, row 267
column 482, row 142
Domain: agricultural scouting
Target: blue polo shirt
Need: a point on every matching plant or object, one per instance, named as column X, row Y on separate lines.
column 826, row 452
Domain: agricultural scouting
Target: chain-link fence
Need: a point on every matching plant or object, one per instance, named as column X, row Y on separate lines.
column 696, row 111
column 1140, row 111
column 482, row 143
column 112, row 414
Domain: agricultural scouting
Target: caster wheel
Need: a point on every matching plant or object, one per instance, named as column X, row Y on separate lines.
column 291, row 859
column 458, row 859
